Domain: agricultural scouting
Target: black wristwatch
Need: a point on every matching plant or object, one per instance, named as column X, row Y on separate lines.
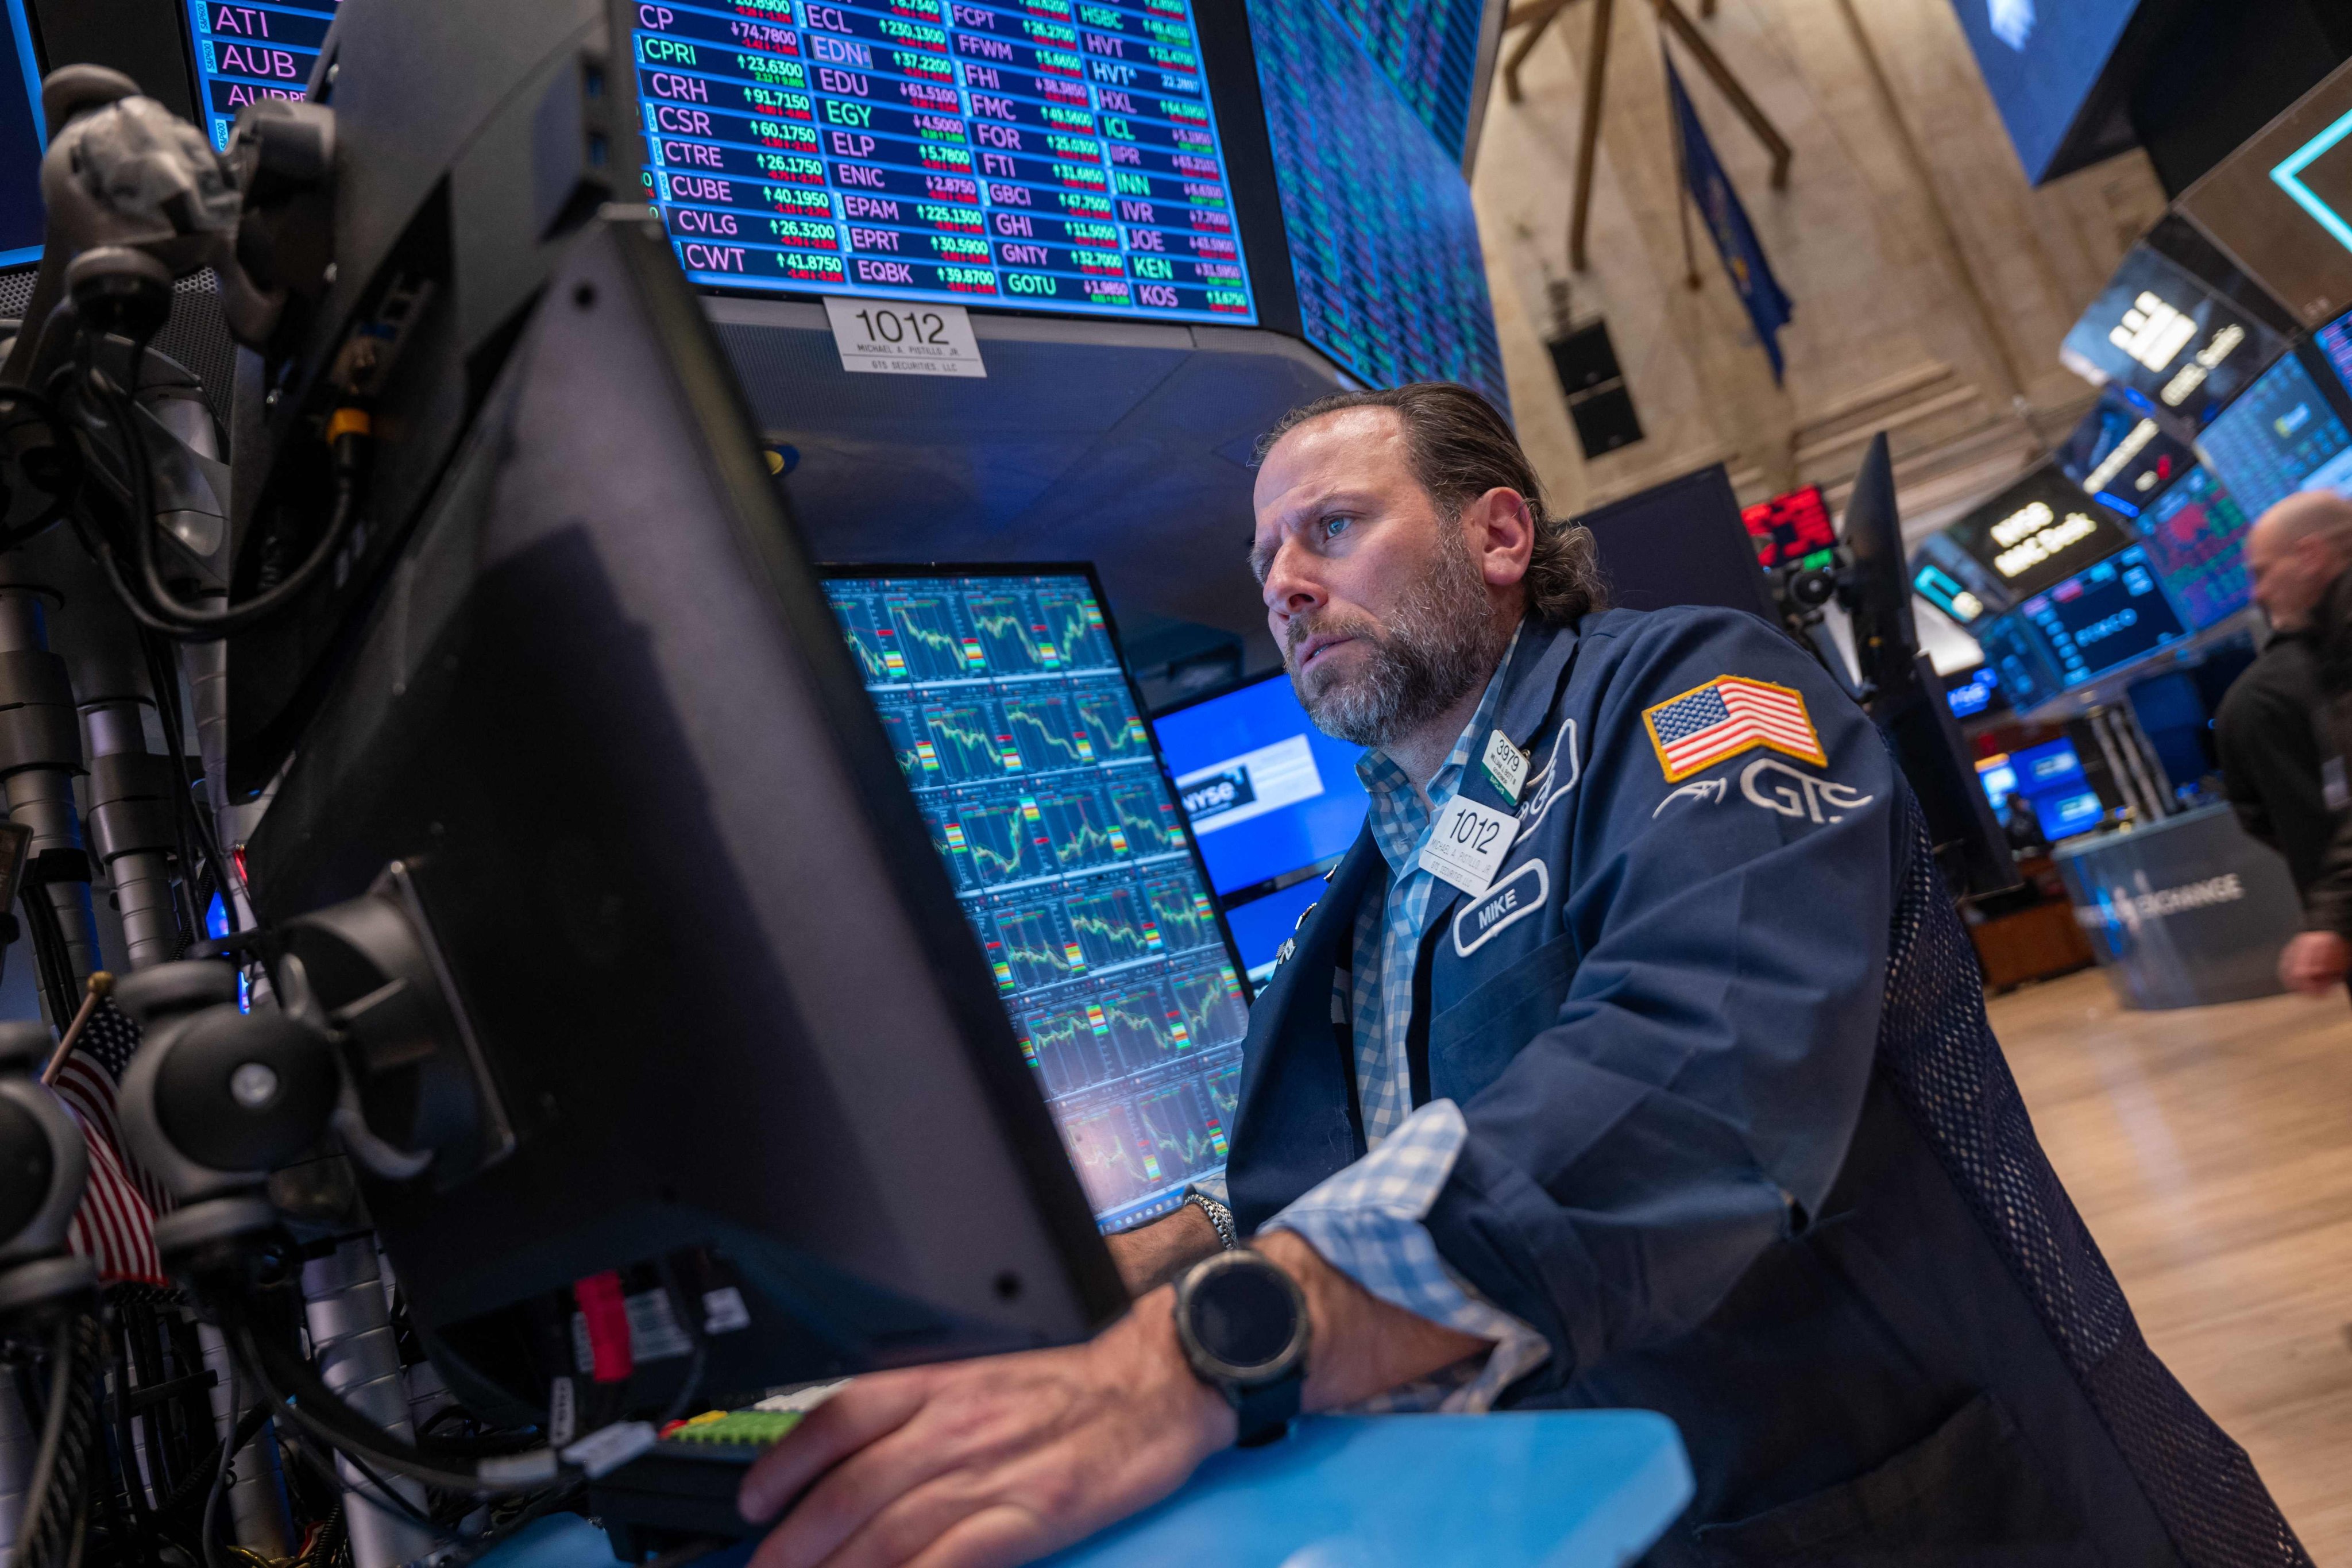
column 1243, row 1323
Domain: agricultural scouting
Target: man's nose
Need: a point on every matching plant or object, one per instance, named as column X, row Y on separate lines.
column 1289, row 588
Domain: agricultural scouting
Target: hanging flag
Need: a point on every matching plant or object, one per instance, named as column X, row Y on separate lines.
column 115, row 1227
column 1735, row 237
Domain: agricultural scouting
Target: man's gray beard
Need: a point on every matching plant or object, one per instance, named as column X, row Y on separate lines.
column 1440, row 642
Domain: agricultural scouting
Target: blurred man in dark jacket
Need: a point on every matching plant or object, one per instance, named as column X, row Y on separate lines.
column 2299, row 555
column 2266, row 730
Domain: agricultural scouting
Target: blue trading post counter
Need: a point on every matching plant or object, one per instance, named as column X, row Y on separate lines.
column 1578, row 1489
column 2183, row 912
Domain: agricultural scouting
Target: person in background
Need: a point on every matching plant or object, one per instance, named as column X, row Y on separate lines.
column 2283, row 728
column 2023, row 827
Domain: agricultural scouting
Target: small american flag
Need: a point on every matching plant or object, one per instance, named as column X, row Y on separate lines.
column 115, row 1227
column 1725, row 717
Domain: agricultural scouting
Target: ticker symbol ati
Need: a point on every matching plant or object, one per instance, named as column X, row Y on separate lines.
column 241, row 19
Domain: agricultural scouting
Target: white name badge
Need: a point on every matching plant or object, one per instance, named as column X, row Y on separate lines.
column 1467, row 845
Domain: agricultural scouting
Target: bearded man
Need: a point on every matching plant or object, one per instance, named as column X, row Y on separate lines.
column 1633, row 1056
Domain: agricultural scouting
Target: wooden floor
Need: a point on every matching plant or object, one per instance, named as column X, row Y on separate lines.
column 2211, row 1150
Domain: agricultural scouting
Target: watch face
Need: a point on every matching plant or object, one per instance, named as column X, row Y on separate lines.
column 1244, row 1317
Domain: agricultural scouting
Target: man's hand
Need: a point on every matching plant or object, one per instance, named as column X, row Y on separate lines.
column 978, row 1463
column 982, row 1463
column 1151, row 1255
column 2314, row 962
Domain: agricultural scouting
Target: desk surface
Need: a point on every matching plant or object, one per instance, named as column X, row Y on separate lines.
column 1581, row 1488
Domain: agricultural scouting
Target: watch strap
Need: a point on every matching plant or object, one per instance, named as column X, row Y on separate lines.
column 1266, row 1410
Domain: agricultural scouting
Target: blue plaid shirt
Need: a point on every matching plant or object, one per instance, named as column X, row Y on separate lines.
column 1367, row 1221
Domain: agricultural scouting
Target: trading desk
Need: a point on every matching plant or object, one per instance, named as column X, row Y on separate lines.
column 1577, row 1488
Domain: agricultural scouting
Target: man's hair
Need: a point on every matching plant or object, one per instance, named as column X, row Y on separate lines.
column 1460, row 446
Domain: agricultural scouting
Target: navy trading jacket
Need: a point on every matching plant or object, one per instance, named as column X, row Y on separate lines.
column 1741, row 1144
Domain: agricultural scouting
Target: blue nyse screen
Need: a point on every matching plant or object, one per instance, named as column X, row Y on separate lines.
column 1384, row 244
column 21, row 142
column 1052, row 156
column 1016, row 728
column 248, row 52
column 1429, row 50
column 1273, row 800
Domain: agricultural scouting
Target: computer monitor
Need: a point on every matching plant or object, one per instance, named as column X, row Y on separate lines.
column 2036, row 531
column 2104, row 617
column 1792, row 530
column 1681, row 542
column 1015, row 725
column 1274, row 800
column 2051, row 765
column 2019, row 659
column 2067, row 813
column 2282, row 437
column 21, row 139
column 1997, row 775
column 2195, row 533
column 1972, row 693
column 247, row 53
column 2120, row 454
column 720, row 995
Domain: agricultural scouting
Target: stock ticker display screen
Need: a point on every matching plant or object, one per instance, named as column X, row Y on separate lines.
column 249, row 52
column 2106, row 616
column 2195, row 532
column 1016, row 728
column 1054, row 154
column 1384, row 245
column 1428, row 50
column 21, row 143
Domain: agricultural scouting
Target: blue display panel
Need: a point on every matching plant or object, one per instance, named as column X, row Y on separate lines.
column 1019, row 734
column 1052, row 156
column 2280, row 438
column 2063, row 815
column 2041, row 63
column 2049, row 778
column 1266, row 792
column 2195, row 533
column 21, row 141
column 246, row 52
column 1975, row 694
column 1273, row 800
column 2104, row 617
column 1429, row 50
column 1384, row 245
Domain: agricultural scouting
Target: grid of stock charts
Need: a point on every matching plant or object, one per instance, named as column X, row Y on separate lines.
column 1015, row 724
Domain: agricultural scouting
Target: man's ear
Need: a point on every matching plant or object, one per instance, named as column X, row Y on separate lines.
column 1507, row 529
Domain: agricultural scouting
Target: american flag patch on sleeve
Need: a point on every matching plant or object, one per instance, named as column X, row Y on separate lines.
column 1727, row 716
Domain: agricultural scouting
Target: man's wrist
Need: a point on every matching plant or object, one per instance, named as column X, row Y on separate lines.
column 1361, row 1346
column 1146, row 1337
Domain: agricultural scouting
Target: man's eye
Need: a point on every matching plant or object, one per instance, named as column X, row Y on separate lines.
column 1335, row 526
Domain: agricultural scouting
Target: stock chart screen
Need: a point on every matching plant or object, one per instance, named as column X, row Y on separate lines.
column 2196, row 535
column 1429, row 50
column 1047, row 155
column 248, row 52
column 1016, row 728
column 1384, row 245
column 2280, row 438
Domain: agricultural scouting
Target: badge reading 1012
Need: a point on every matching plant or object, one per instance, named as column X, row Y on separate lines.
column 1467, row 844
